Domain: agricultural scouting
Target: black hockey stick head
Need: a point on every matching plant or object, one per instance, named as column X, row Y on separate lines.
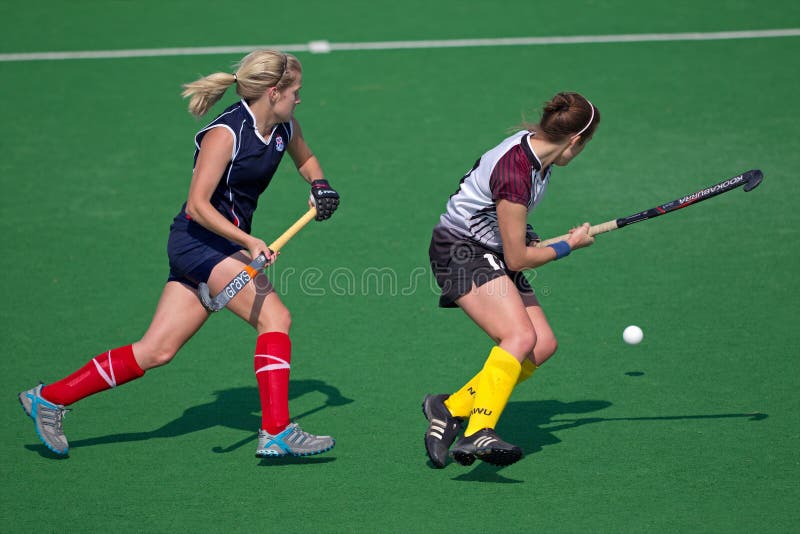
column 752, row 179
column 215, row 304
column 205, row 297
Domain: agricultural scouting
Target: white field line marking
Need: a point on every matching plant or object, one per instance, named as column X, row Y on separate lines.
column 398, row 45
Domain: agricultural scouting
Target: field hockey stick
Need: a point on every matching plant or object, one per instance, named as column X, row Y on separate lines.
column 749, row 180
column 251, row 270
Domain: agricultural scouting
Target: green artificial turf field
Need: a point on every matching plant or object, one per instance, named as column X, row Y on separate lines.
column 694, row 430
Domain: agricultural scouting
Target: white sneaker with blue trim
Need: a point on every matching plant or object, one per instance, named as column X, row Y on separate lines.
column 48, row 419
column 292, row 441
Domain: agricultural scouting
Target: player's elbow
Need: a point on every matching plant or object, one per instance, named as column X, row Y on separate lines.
column 193, row 210
column 515, row 254
column 515, row 262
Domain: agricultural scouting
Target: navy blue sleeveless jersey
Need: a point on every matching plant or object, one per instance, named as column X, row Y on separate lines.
column 254, row 161
column 194, row 250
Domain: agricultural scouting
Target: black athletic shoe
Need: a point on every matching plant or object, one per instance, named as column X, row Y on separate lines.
column 487, row 446
column 442, row 428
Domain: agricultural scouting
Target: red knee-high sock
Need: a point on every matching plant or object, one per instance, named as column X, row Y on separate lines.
column 104, row 371
column 272, row 363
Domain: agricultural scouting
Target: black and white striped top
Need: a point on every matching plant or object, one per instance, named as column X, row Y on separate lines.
column 510, row 171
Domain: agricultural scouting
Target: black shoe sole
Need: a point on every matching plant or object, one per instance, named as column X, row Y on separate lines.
column 464, row 458
column 500, row 457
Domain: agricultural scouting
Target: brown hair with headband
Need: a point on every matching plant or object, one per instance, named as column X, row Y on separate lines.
column 567, row 115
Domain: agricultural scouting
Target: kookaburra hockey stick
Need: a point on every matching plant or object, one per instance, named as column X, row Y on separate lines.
column 749, row 180
column 250, row 271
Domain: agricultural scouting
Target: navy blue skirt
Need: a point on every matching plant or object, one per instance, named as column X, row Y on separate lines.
column 194, row 251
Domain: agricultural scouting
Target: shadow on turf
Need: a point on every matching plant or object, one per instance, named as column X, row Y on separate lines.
column 295, row 460
column 236, row 408
column 532, row 424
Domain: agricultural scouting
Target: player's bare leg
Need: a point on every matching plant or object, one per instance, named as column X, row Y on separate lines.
column 546, row 343
column 459, row 404
column 179, row 315
column 498, row 308
column 260, row 305
column 257, row 303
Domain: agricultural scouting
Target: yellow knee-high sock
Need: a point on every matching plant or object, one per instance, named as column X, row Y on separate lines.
column 495, row 384
column 460, row 403
column 528, row 368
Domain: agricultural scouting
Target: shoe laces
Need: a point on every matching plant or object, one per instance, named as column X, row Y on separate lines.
column 61, row 413
column 53, row 416
column 298, row 430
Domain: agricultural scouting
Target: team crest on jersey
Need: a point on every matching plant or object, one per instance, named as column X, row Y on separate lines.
column 279, row 143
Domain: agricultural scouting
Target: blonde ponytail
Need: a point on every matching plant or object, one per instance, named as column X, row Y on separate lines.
column 206, row 91
column 255, row 73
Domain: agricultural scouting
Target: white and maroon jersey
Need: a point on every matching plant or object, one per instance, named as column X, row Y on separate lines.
column 510, row 171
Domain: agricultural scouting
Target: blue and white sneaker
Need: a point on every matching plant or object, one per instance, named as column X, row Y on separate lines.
column 292, row 441
column 48, row 419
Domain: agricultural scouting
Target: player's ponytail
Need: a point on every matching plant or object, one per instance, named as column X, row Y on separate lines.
column 206, row 91
column 254, row 74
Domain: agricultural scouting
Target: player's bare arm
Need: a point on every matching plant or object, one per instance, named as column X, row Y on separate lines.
column 207, row 241
column 306, row 162
column 512, row 220
column 215, row 154
column 323, row 197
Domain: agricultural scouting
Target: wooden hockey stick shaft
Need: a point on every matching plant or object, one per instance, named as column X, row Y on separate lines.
column 290, row 232
column 593, row 231
column 251, row 270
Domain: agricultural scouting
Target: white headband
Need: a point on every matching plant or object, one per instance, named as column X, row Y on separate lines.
column 590, row 119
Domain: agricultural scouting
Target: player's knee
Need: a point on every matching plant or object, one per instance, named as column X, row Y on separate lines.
column 546, row 347
column 149, row 357
column 521, row 341
column 275, row 320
